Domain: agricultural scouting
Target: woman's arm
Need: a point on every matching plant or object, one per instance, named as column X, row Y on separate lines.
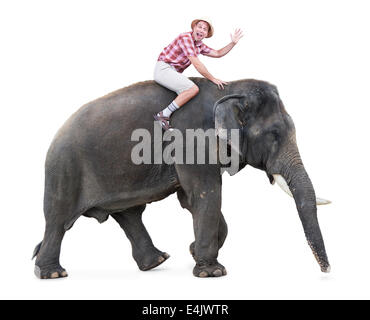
column 234, row 40
column 201, row 68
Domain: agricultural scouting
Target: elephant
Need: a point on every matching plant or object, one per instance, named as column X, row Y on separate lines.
column 89, row 170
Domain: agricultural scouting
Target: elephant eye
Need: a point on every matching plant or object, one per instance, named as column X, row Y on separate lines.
column 244, row 120
column 275, row 133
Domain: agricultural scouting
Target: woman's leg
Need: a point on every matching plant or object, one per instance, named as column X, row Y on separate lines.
column 180, row 100
column 168, row 77
column 186, row 95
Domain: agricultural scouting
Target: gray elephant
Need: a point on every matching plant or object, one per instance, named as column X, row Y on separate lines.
column 89, row 169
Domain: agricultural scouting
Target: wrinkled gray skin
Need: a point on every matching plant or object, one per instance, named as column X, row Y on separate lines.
column 89, row 171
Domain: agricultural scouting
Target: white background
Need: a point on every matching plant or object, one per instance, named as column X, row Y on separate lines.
column 58, row 55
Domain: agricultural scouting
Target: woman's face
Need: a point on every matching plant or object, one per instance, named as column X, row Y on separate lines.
column 200, row 30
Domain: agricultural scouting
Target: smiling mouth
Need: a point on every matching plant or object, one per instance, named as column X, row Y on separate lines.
column 199, row 35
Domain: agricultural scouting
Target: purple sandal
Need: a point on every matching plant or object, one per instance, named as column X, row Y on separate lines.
column 165, row 121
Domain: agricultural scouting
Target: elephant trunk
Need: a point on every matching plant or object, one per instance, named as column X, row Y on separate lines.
column 301, row 188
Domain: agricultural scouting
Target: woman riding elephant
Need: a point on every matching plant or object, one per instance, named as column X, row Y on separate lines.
column 89, row 169
column 181, row 53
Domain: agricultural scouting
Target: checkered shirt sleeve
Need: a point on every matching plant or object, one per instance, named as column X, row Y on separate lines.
column 205, row 49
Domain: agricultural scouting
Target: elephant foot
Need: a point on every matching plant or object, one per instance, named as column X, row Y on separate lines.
column 205, row 270
column 50, row 272
column 151, row 261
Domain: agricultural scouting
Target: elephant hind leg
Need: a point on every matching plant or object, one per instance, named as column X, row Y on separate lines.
column 146, row 255
column 47, row 264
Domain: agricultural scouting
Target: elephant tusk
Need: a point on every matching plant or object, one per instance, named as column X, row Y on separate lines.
column 284, row 186
column 320, row 201
column 282, row 183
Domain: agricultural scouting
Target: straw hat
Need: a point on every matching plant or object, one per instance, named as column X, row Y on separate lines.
column 210, row 31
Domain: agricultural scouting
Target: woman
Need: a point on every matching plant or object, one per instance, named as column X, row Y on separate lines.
column 181, row 53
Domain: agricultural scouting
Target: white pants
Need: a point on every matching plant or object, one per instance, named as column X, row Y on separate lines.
column 167, row 76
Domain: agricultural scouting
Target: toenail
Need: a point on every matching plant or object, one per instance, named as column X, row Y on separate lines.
column 217, row 273
column 203, row 274
column 161, row 259
column 54, row 275
column 64, row 274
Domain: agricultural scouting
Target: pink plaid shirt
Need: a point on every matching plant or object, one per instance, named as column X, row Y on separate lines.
column 177, row 52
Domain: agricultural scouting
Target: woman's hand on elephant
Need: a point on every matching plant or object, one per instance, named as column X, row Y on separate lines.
column 238, row 34
column 219, row 83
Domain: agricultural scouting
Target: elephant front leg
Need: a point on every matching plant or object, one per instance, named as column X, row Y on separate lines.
column 201, row 194
column 206, row 221
column 222, row 234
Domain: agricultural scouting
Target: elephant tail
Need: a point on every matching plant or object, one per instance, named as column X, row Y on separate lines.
column 36, row 251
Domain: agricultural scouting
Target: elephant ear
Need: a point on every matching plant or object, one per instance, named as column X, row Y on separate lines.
column 228, row 114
